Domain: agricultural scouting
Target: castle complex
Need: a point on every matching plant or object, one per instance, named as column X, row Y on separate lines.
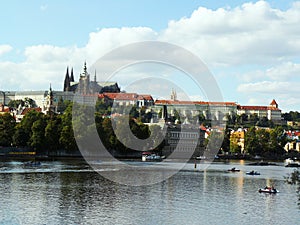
column 110, row 91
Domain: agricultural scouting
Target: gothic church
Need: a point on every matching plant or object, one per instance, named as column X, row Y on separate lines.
column 87, row 86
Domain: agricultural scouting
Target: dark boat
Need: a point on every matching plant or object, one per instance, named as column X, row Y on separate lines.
column 233, row 169
column 293, row 165
column 253, row 173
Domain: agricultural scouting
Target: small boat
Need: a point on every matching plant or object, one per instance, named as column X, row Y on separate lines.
column 293, row 165
column 201, row 157
column 148, row 156
column 233, row 169
column 270, row 190
column 253, row 173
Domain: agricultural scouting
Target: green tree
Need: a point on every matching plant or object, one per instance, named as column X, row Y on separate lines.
column 52, row 134
column 277, row 141
column 226, row 142
column 251, row 142
column 29, row 103
column 62, row 105
column 7, row 129
column 253, row 119
column 234, row 146
column 25, row 126
column 67, row 139
column 15, row 103
column 20, row 137
column 102, row 107
column 37, row 139
column 107, row 134
column 263, row 138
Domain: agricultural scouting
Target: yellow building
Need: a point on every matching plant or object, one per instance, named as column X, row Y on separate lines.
column 237, row 141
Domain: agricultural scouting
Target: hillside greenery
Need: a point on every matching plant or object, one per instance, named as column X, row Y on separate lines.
column 49, row 134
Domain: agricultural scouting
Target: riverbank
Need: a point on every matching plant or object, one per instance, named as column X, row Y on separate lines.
column 15, row 153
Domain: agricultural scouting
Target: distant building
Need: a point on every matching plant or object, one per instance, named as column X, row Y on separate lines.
column 294, row 124
column 219, row 110
column 210, row 110
column 87, row 86
column 19, row 114
column 49, row 107
column 181, row 141
column 237, row 138
column 292, row 145
column 127, row 99
column 272, row 112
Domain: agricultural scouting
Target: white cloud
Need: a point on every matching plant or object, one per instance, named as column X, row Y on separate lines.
column 5, row 49
column 270, row 87
column 251, row 33
column 107, row 39
column 286, row 71
column 47, row 63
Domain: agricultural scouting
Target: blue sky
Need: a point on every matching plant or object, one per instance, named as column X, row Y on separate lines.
column 252, row 48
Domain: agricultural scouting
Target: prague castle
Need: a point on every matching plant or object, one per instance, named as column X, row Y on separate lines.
column 87, row 86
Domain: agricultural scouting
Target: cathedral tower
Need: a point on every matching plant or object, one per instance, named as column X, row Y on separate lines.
column 67, row 80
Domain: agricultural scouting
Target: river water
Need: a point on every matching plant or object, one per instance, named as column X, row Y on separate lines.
column 71, row 192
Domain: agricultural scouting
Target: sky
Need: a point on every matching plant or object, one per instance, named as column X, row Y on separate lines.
column 251, row 48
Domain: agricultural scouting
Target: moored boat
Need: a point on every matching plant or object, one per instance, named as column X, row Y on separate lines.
column 291, row 163
column 148, row 156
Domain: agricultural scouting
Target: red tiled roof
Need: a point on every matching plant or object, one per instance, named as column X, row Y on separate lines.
column 147, row 97
column 172, row 102
column 273, row 102
column 125, row 96
column 26, row 110
column 262, row 108
column 4, row 109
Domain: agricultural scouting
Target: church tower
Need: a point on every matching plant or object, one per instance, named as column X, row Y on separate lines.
column 274, row 104
column 49, row 107
column 84, row 81
column 72, row 76
column 67, row 80
column 173, row 95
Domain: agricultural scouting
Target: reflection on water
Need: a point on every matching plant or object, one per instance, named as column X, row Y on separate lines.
column 72, row 193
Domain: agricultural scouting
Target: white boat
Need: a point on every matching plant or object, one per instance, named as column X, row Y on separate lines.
column 270, row 190
column 291, row 163
column 148, row 156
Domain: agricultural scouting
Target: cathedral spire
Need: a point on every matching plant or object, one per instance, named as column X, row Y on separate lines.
column 67, row 81
column 67, row 73
column 95, row 76
column 72, row 76
column 50, row 91
column 85, row 69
